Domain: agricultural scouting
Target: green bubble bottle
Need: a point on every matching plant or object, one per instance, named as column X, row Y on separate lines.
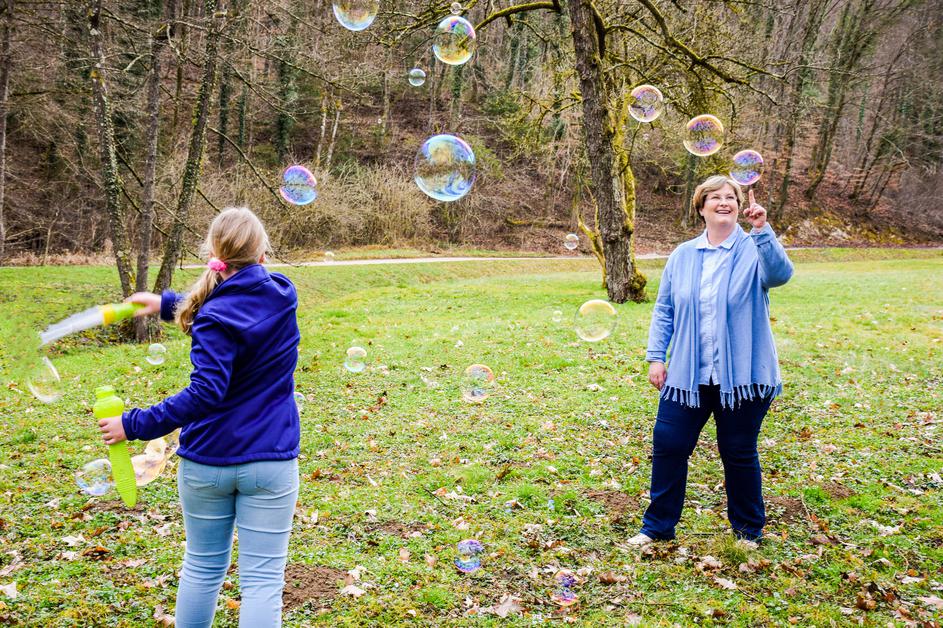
column 108, row 404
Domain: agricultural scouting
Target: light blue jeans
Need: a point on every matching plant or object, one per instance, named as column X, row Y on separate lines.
column 259, row 499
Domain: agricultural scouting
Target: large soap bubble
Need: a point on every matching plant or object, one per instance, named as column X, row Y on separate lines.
column 571, row 241
column 149, row 465
column 469, row 555
column 445, row 167
column 646, row 103
column 299, row 187
column 95, row 477
column 356, row 360
column 156, row 354
column 417, row 76
column 44, row 382
column 564, row 594
column 747, row 167
column 477, row 383
column 703, row 135
column 356, row 15
column 595, row 320
column 455, row 41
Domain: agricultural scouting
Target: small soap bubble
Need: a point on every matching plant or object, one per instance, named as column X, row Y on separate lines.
column 477, row 383
column 454, row 41
column 95, row 477
column 456, row 8
column 445, row 167
column 356, row 359
column 149, row 465
column 557, row 316
column 564, row 595
column 747, row 167
column 299, row 187
column 417, row 76
column 356, row 15
column 156, row 354
column 328, row 256
column 646, row 103
column 44, row 382
column 571, row 241
column 469, row 555
column 299, row 400
column 703, row 135
column 595, row 320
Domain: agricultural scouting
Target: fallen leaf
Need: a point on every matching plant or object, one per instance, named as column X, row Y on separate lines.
column 163, row 619
column 352, row 590
column 509, row 605
column 404, row 555
column 725, row 584
column 608, row 577
column 431, row 560
column 232, row 604
column 9, row 590
column 932, row 601
column 707, row 563
column 72, row 541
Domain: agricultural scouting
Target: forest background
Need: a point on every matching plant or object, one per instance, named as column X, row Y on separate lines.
column 126, row 125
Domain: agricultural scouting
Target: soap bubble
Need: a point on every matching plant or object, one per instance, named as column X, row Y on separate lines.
column 747, row 167
column 356, row 15
column 44, row 381
column 703, row 135
column 477, row 383
column 328, row 256
column 445, row 167
column 417, row 76
column 356, row 359
column 646, row 103
column 299, row 400
column 469, row 555
column 557, row 316
column 149, row 465
column 299, row 187
column 156, row 354
column 456, row 8
column 564, row 595
column 173, row 442
column 595, row 320
column 571, row 241
column 455, row 41
column 95, row 477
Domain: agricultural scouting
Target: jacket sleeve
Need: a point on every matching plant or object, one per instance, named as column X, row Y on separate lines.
column 662, row 326
column 169, row 300
column 775, row 267
column 212, row 354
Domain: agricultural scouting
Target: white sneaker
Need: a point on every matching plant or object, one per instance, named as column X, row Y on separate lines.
column 640, row 540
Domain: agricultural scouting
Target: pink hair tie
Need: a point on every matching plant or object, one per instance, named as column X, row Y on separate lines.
column 217, row 265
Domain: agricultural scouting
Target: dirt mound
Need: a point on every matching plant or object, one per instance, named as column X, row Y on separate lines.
column 310, row 582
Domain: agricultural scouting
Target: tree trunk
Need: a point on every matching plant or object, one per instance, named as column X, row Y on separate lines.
column 111, row 182
column 7, row 9
column 613, row 184
column 191, row 173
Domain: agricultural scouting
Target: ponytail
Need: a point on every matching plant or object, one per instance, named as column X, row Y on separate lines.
column 187, row 310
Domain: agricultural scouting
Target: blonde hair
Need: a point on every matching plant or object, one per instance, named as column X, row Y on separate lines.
column 236, row 237
column 712, row 184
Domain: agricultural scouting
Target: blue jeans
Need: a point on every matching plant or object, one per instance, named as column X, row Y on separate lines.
column 677, row 428
column 258, row 498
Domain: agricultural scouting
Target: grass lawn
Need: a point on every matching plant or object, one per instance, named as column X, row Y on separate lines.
column 550, row 472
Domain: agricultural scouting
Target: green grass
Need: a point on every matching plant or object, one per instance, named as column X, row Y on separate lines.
column 854, row 442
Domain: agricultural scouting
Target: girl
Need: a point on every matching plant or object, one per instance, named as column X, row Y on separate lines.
column 240, row 430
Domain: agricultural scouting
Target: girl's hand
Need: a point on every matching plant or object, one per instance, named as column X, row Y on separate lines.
column 657, row 374
column 755, row 213
column 149, row 300
column 112, row 430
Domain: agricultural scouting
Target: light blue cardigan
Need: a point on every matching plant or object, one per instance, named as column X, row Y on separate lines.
column 748, row 365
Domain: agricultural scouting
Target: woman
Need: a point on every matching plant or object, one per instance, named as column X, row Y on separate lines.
column 713, row 310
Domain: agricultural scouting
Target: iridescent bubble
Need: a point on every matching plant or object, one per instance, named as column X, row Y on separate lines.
column 469, row 555
column 299, row 400
column 703, row 135
column 356, row 15
column 299, row 187
column 455, row 41
column 564, row 595
column 571, row 241
column 44, row 382
column 156, row 354
column 149, row 465
column 646, row 103
column 477, row 383
column 557, row 316
column 417, row 76
column 595, row 320
column 445, row 167
column 356, row 360
column 95, row 477
column 747, row 167
column 456, row 8
column 328, row 256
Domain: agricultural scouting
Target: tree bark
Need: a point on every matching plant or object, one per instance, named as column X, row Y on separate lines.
column 191, row 173
column 7, row 27
column 111, row 182
column 613, row 184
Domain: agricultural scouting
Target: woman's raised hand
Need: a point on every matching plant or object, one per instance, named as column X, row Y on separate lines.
column 657, row 374
column 755, row 213
column 149, row 300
